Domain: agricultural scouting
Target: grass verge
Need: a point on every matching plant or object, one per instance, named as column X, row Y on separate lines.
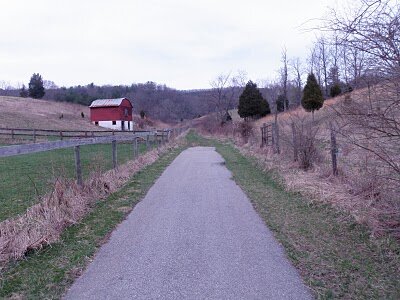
column 47, row 273
column 335, row 256
column 24, row 178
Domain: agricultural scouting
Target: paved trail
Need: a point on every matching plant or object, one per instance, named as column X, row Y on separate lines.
column 194, row 236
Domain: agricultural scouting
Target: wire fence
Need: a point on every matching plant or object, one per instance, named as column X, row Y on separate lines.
column 29, row 171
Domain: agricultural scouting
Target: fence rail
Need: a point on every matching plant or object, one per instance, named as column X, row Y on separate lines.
column 61, row 134
column 156, row 138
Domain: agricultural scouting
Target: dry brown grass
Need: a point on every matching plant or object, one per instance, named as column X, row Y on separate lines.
column 43, row 223
column 360, row 189
column 16, row 112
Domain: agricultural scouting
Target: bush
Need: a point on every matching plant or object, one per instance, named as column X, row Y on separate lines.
column 251, row 102
column 335, row 90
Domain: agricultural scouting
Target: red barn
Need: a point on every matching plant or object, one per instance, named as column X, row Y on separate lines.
column 112, row 113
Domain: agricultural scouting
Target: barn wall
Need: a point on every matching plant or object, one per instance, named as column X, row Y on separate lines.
column 104, row 114
column 117, row 126
column 112, row 113
column 125, row 104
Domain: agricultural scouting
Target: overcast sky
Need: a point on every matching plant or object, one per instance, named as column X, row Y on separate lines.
column 181, row 43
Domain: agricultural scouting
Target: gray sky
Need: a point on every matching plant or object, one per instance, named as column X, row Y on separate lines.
column 184, row 44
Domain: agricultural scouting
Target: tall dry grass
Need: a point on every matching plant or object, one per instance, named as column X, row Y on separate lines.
column 362, row 187
column 43, row 223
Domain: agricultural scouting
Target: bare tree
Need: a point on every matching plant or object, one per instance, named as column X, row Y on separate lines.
column 297, row 70
column 371, row 34
column 284, row 77
column 322, row 54
column 315, row 62
column 335, row 56
column 225, row 89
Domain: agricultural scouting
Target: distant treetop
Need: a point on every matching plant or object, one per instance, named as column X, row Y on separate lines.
column 36, row 88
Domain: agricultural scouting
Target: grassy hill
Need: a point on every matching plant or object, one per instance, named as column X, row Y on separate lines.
column 16, row 112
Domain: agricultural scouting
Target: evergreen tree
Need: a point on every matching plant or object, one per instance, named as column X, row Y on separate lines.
column 335, row 90
column 312, row 95
column 280, row 103
column 36, row 88
column 23, row 92
column 252, row 103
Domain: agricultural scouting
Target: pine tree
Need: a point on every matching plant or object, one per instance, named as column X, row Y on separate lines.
column 252, row 103
column 312, row 95
column 23, row 92
column 36, row 88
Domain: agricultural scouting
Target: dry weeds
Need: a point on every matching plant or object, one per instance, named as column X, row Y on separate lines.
column 360, row 189
column 43, row 223
column 16, row 112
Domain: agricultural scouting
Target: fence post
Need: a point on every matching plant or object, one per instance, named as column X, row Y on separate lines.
column 275, row 138
column 147, row 142
column 135, row 148
column 278, row 149
column 78, row 168
column 34, row 135
column 114, row 153
column 295, row 150
column 263, row 135
column 12, row 133
column 61, row 135
column 333, row 150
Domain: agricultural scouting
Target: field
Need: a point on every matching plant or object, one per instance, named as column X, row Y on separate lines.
column 47, row 272
column 16, row 112
column 24, row 178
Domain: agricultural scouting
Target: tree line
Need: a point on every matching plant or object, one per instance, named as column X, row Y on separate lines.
column 355, row 49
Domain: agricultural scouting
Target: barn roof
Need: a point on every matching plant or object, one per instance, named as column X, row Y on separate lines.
column 107, row 102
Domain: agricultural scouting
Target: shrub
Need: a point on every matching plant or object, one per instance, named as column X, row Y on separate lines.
column 335, row 90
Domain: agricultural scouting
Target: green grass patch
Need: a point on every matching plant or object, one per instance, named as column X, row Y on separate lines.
column 47, row 273
column 24, row 178
column 335, row 256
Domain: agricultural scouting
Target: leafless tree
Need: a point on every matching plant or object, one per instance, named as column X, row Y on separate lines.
column 322, row 47
column 335, row 57
column 296, row 67
column 371, row 35
column 373, row 29
column 48, row 84
column 284, row 77
column 225, row 89
column 315, row 62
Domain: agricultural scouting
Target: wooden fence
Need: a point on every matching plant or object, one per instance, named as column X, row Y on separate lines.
column 270, row 137
column 266, row 135
column 157, row 137
column 14, row 133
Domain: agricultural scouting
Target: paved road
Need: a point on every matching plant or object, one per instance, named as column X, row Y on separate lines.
column 194, row 236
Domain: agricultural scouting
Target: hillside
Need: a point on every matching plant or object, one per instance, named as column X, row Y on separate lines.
column 16, row 112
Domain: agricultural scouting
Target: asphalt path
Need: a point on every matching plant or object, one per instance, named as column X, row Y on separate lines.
column 194, row 236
